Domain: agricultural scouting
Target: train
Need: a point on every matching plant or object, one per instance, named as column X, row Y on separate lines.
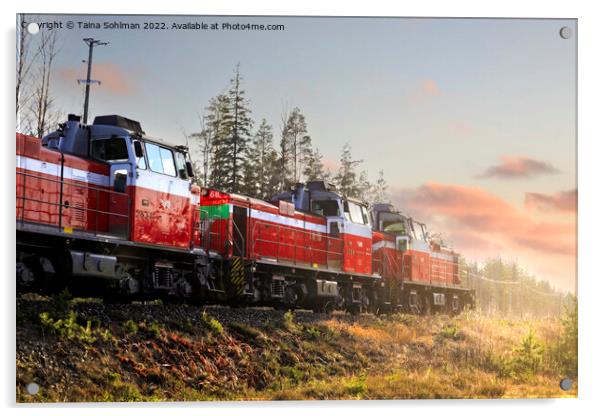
column 107, row 211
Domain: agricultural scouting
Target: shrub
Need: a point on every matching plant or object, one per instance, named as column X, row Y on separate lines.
column 288, row 321
column 450, row 331
column 130, row 326
column 357, row 385
column 528, row 356
column 68, row 327
column 214, row 326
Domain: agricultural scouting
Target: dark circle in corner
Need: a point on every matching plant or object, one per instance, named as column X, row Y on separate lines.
column 566, row 384
column 566, row 32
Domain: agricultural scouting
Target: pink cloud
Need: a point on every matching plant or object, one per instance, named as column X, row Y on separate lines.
column 331, row 165
column 477, row 212
column 459, row 127
column 480, row 224
column 430, row 87
column 113, row 78
column 427, row 88
column 512, row 167
column 563, row 201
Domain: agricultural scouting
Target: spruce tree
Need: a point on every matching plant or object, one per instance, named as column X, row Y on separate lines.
column 239, row 125
column 314, row 168
column 364, row 187
column 217, row 129
column 346, row 178
column 379, row 189
column 295, row 146
column 261, row 167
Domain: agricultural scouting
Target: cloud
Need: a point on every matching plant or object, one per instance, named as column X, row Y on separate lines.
column 331, row 165
column 430, row 87
column 114, row 79
column 459, row 127
column 513, row 167
column 427, row 88
column 563, row 201
column 475, row 212
column 481, row 224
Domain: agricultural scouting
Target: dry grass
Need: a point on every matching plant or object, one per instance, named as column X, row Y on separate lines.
column 395, row 357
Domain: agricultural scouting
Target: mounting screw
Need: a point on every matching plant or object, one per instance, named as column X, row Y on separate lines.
column 566, row 384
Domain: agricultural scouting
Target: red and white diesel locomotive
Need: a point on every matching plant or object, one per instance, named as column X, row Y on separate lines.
column 107, row 211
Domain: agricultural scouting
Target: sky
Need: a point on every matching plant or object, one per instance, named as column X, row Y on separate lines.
column 471, row 120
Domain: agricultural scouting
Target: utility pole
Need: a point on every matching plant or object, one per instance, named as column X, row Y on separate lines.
column 91, row 44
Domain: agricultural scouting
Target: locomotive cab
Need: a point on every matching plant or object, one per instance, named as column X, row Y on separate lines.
column 147, row 193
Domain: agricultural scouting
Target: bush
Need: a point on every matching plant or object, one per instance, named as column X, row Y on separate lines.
column 214, row 326
column 130, row 326
column 357, row 385
column 68, row 327
column 450, row 331
column 288, row 321
column 528, row 357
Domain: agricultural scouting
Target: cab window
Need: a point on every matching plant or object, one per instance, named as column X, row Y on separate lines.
column 160, row 159
column 327, row 208
column 141, row 162
column 113, row 149
column 355, row 213
column 181, row 165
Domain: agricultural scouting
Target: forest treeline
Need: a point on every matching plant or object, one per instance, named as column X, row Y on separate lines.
column 503, row 288
column 235, row 152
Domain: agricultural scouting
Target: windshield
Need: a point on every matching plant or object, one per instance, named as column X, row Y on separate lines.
column 356, row 214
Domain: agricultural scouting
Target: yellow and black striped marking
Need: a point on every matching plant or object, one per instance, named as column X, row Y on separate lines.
column 237, row 275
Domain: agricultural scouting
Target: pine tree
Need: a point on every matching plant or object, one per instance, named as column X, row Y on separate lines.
column 364, row 187
column 379, row 189
column 346, row 178
column 229, row 125
column 314, row 168
column 295, row 147
column 240, row 125
column 261, row 167
column 204, row 143
column 217, row 130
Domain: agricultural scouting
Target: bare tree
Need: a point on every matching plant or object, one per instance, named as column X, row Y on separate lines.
column 203, row 140
column 42, row 105
column 24, row 64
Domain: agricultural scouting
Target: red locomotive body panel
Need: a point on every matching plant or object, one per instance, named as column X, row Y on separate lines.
column 283, row 234
column 357, row 240
column 387, row 260
column 162, row 210
column 85, row 192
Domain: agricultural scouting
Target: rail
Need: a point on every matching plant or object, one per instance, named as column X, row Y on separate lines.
column 65, row 205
